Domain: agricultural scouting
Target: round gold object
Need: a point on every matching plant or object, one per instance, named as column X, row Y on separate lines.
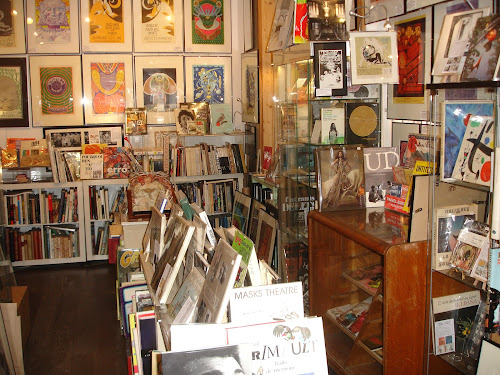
column 363, row 121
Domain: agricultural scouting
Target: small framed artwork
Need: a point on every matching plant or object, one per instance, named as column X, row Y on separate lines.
column 330, row 69
column 53, row 26
column 253, row 222
column 409, row 100
column 283, row 18
column 76, row 138
column 108, row 89
column 12, row 30
column 158, row 26
column 56, row 90
column 374, row 57
column 207, row 26
column 250, row 87
column 13, row 93
column 159, row 85
column 106, row 26
column 144, row 189
column 266, row 236
column 241, row 211
column 340, row 177
column 208, row 79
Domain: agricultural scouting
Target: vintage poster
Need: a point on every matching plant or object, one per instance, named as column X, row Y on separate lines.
column 157, row 21
column 208, row 22
column 56, row 85
column 106, row 21
column 11, row 101
column 108, row 88
column 7, row 32
column 207, row 82
column 159, row 88
column 331, row 72
column 52, row 21
column 12, row 27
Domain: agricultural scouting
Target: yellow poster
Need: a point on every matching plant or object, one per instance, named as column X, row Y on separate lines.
column 106, row 21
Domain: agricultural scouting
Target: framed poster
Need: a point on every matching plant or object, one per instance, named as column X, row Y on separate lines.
column 208, row 79
column 109, row 88
column 207, row 26
column 12, row 27
column 283, row 19
column 52, row 26
column 74, row 139
column 330, row 69
column 374, row 57
column 159, row 85
column 106, row 26
column 409, row 100
column 56, row 90
column 158, row 26
column 13, row 93
column 250, row 87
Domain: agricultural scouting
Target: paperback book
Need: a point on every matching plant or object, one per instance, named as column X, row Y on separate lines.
column 91, row 166
column 249, row 263
column 378, row 164
column 368, row 278
column 351, row 317
column 116, row 162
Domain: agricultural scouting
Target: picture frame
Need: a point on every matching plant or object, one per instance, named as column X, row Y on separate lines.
column 158, row 27
column 282, row 21
column 241, row 211
column 248, row 25
column 72, row 139
column 409, row 100
column 57, row 33
column 156, row 77
column 107, row 105
column 56, row 91
column 208, row 79
column 339, row 166
column 327, row 20
column 374, row 57
column 143, row 191
column 250, row 87
column 13, row 84
column 207, row 26
column 12, row 37
column 266, row 236
column 106, row 29
column 253, row 221
column 330, row 69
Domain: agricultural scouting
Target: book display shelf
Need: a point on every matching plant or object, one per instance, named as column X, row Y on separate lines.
column 371, row 300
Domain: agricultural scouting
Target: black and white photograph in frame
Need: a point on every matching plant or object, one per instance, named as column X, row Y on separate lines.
column 330, row 69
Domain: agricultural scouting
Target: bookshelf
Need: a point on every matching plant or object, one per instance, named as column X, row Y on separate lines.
column 48, row 227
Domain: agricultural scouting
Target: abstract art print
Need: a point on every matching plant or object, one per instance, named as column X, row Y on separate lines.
column 56, row 89
column 12, row 27
column 208, row 79
column 54, row 27
column 108, row 89
column 207, row 26
column 13, row 93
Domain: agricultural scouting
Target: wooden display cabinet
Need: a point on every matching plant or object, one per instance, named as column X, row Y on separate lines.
column 343, row 241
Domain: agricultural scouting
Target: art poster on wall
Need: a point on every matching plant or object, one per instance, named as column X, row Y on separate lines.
column 56, row 88
column 159, row 85
column 208, row 79
column 250, row 87
column 159, row 27
column 13, row 93
column 108, row 89
column 207, row 26
column 12, row 27
column 106, row 26
column 330, row 64
column 54, row 26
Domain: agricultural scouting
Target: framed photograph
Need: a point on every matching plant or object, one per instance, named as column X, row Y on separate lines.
column 409, row 100
column 455, row 115
column 330, row 69
column 106, row 26
column 75, row 138
column 54, row 26
column 208, row 79
column 327, row 20
column 374, row 57
column 250, row 87
column 108, row 89
column 207, row 26
column 158, row 26
column 266, row 236
column 12, row 30
column 253, row 222
column 340, row 177
column 241, row 211
column 159, row 85
column 392, row 8
column 56, row 90
column 13, row 93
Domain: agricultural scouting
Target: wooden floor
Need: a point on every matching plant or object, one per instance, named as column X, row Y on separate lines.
column 74, row 327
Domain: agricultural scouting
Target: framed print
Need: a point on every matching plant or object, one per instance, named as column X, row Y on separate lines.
column 283, row 19
column 409, row 100
column 374, row 57
column 340, row 177
column 330, row 69
column 159, row 85
column 56, row 90
column 158, row 26
column 12, row 27
column 13, row 93
column 109, row 88
column 74, row 139
column 250, row 87
column 455, row 115
column 266, row 236
column 208, row 79
column 241, row 211
column 106, row 26
column 392, row 8
column 253, row 221
column 52, row 26
column 207, row 26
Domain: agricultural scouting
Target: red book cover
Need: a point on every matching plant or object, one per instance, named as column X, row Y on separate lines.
column 49, row 201
column 116, row 162
column 112, row 248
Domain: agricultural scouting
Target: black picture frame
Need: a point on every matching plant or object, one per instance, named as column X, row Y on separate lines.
column 21, row 120
column 330, row 69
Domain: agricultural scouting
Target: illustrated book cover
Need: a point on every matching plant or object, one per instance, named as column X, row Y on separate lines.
column 116, row 162
column 249, row 263
column 241, row 211
column 91, row 166
column 369, row 278
column 351, row 317
column 333, row 125
column 221, row 118
column 378, row 164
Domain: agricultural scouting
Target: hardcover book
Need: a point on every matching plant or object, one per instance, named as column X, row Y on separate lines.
column 378, row 164
column 333, row 125
column 116, row 162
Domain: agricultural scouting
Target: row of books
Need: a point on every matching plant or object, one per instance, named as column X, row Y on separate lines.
column 24, row 245
column 21, row 207
column 60, row 209
column 100, row 241
column 212, row 196
column 61, row 242
column 100, row 206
